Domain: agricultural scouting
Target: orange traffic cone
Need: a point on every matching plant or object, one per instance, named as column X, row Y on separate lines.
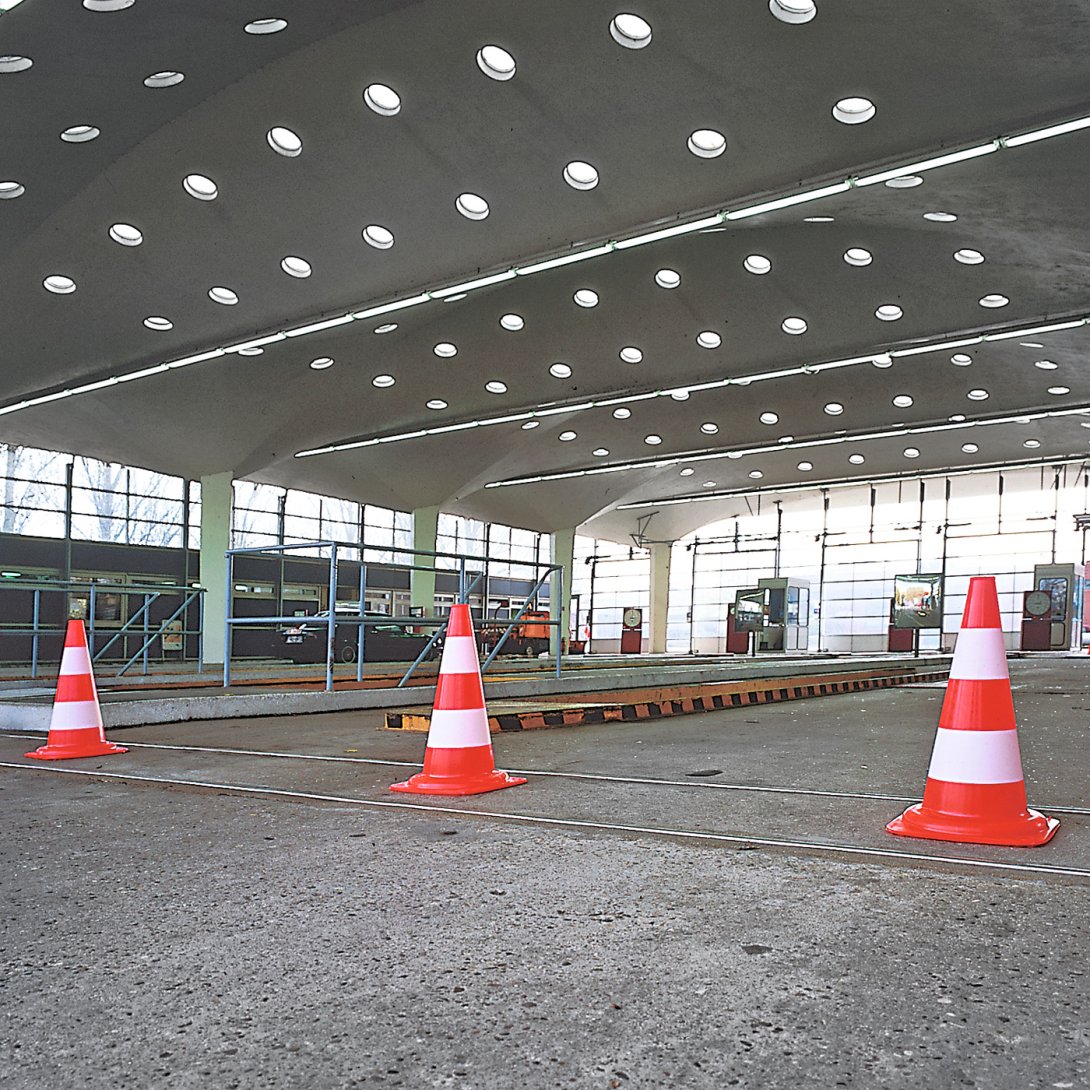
column 458, row 759
column 75, row 728
column 975, row 793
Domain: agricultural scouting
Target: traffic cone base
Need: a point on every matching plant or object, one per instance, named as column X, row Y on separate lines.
column 64, row 750
column 1024, row 829
column 468, row 771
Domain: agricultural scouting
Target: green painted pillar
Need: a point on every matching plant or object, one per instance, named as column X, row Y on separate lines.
column 425, row 533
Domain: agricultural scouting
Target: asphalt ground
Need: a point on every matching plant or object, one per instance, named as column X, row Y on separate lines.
column 295, row 925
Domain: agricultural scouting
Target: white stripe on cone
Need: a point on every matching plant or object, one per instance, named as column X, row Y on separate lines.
column 976, row 756
column 75, row 660
column 979, row 655
column 458, row 728
column 75, row 715
column 459, row 656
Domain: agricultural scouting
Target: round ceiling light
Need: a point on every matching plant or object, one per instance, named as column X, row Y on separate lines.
column 584, row 297
column 108, row 5
column 630, row 31
column 251, row 351
column 1046, row 365
column 600, row 452
column 977, row 395
column 970, row 448
column 911, row 452
column 631, row 354
column 59, row 285
column 496, row 63
column 818, row 219
column 622, row 413
column 854, row 111
column 197, row 185
column 688, row 471
column 10, row 190
column 888, row 312
column 496, row 387
column 1032, row 444
column 680, row 395
column 756, row 474
column 770, row 418
column 794, row 326
column 126, row 235
column 380, row 237
column 960, row 359
column 164, row 79
column 793, row 11
column 994, row 301
column 265, row 26
column 1059, row 391
column 80, row 134
column 382, row 99
column 709, row 339
column 856, row 459
column 580, row 175
column 903, row 401
column 805, row 467
column 883, row 360
column 857, row 256
column 386, row 327
column 957, row 418
column 906, row 181
column 566, row 436
column 512, row 322
column 969, row 257
column 757, row 264
column 383, row 382
column 284, row 141
column 296, row 266
column 321, row 363
column 436, row 403
column 444, row 349
column 652, row 440
column 940, row 217
column 709, row 428
column 471, row 206
column 223, row 295
column 15, row 64
column 707, row 143
column 834, row 408
column 560, row 370
column 667, row 278
column 157, row 322
column 708, row 484
column 531, row 424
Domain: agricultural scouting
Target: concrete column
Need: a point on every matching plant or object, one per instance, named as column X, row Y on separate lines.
column 216, row 497
column 425, row 532
column 562, row 551
column 660, row 595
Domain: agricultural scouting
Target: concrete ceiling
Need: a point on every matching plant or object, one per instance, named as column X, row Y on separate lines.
column 943, row 79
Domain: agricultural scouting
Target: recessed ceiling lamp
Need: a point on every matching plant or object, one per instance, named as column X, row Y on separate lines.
column 883, row 360
column 321, row 363
column 756, row 474
column 164, row 79
column 631, row 354
column 560, row 370
column 858, row 257
column 961, row 359
column 834, row 408
column 622, row 413
column 708, row 484
column 977, row 395
column 471, row 206
column 709, row 339
column 566, row 436
column 805, row 467
column 667, row 278
column 818, row 219
column 688, row 471
column 496, row 63
column 383, row 382
column 994, row 301
column 940, row 217
column 388, row 327
column 445, row 350
column 584, row 297
column 10, row 190
column 856, row 459
column 888, row 312
column 1031, row 344
column 1032, row 444
column 786, row 439
column 512, row 322
column 903, row 401
column 1046, row 365
column 223, row 295
column 770, row 418
column 905, row 181
column 707, row 143
column 794, row 326
column 382, row 99
column 600, row 452
column 251, row 351
column 854, row 111
column 793, row 11
column 284, row 141
column 197, row 185
column 1059, row 391
column 709, row 428
column 957, row 418
column 437, row 403
column 652, row 440
column 265, row 26
column 380, row 237
column 630, row 31
column 969, row 257
column 757, row 264
column 80, row 134
column 580, row 175
column 159, row 323
column 59, row 285
column 15, row 64
column 108, row 5
column 496, row 387
column 296, row 266
column 970, row 448
column 126, row 235
column 531, row 424
column 911, row 452
column 680, row 395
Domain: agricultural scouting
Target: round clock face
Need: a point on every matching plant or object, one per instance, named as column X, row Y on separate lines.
column 632, row 618
column 1038, row 603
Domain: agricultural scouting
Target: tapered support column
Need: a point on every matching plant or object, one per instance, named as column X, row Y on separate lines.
column 425, row 534
column 660, row 595
column 562, row 552
column 216, row 496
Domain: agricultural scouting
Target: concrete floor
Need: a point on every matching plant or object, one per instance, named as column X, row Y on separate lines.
column 157, row 935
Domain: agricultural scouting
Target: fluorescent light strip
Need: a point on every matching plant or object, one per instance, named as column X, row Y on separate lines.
column 929, row 164
column 788, row 202
column 257, row 343
column 567, row 259
column 670, row 232
column 472, row 285
column 1010, row 333
column 1044, row 134
column 389, row 308
column 944, row 346
column 317, row 327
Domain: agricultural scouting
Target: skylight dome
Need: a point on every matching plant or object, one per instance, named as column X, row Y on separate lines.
column 794, row 326
column 630, row 31
column 266, row 26
column 10, row 190
column 157, row 322
column 888, row 312
column 580, row 175
column 560, row 370
column 382, row 99
column 854, row 111
column 15, row 64
column 793, row 11
column 444, row 349
column 969, row 257
column 284, row 141
column 164, row 79
column 496, row 63
column 471, row 206
column 757, row 264
column 436, row 403
column 667, row 278
column 586, row 298
column 223, row 295
column 512, row 322
column 770, row 418
column 382, row 238
column 631, row 354
column 126, row 234
column 296, row 266
column 197, row 185
column 59, row 285
column 80, row 134
column 994, row 301
column 857, row 256
column 383, row 382
column 707, row 143
column 709, row 339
